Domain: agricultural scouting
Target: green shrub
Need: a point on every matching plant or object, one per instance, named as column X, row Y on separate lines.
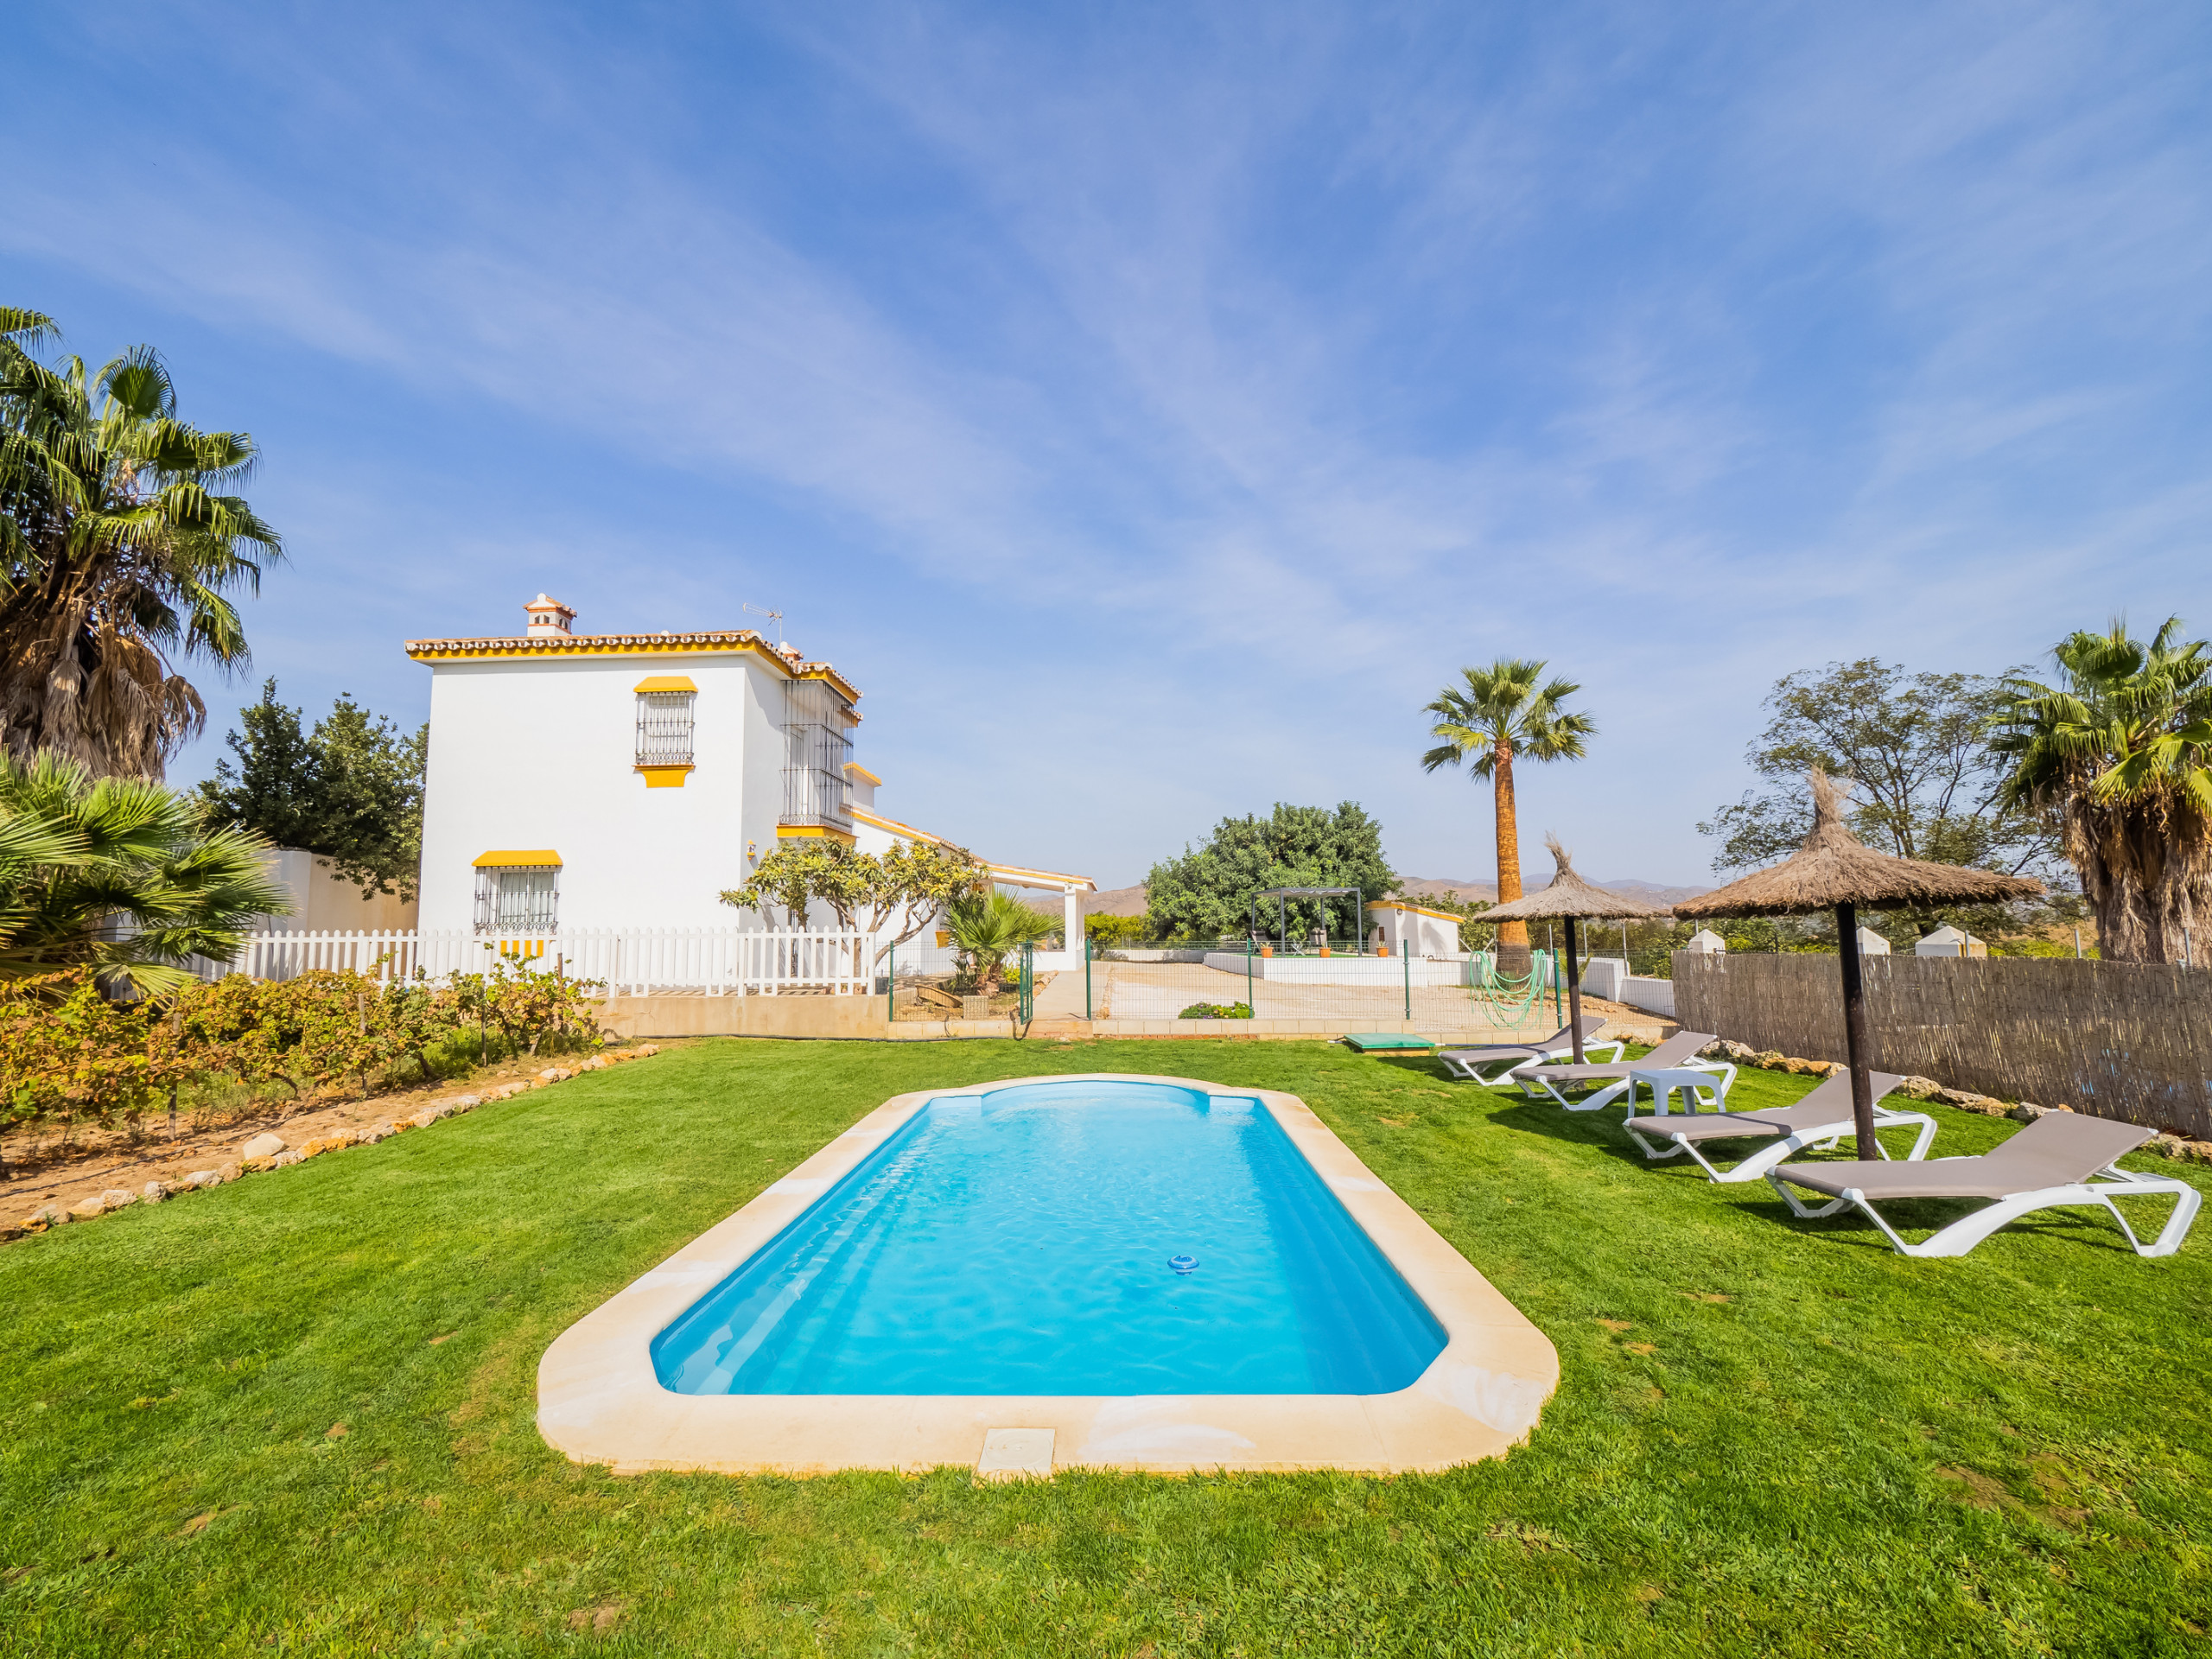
column 1106, row 931
column 67, row 1052
column 1216, row 1011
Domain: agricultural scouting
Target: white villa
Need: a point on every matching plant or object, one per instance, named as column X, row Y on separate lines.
column 625, row 780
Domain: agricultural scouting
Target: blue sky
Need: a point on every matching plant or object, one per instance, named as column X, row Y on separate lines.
column 1151, row 407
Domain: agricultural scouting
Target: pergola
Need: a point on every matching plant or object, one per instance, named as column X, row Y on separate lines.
column 1282, row 920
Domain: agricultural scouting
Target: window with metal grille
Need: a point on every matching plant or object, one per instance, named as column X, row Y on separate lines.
column 815, row 750
column 517, row 898
column 664, row 727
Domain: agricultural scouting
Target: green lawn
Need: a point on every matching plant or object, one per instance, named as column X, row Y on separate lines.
column 1800, row 1442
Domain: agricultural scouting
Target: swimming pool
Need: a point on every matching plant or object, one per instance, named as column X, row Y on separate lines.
column 1106, row 1237
column 1037, row 1274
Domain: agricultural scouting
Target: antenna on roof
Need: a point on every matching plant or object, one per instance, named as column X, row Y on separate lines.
column 751, row 609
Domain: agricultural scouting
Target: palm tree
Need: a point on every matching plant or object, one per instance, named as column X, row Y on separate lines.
column 120, row 874
column 118, row 554
column 985, row 926
column 2117, row 752
column 1501, row 712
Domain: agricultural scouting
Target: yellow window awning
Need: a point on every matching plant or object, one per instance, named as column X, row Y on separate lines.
column 528, row 857
column 666, row 682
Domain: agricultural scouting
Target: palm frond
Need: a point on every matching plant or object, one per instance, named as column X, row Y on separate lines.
column 27, row 330
column 121, row 545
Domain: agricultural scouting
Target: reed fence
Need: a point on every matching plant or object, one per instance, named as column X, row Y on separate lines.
column 2115, row 1038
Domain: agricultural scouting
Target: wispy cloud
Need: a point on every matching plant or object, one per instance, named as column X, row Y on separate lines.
column 1237, row 375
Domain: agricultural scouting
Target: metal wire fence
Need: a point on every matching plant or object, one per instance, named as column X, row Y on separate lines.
column 1339, row 984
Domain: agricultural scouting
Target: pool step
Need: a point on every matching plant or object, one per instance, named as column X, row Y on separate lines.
column 1016, row 1455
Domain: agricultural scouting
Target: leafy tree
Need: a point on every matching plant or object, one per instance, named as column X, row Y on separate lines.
column 788, row 879
column 1496, row 715
column 1208, row 892
column 889, row 898
column 1915, row 749
column 120, row 875
column 118, row 553
column 1105, row 932
column 910, row 885
column 2114, row 757
column 1926, row 780
column 351, row 790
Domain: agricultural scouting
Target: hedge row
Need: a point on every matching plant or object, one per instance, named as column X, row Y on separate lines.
column 67, row 1052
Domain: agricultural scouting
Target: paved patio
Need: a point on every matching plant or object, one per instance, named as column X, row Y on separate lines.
column 1128, row 998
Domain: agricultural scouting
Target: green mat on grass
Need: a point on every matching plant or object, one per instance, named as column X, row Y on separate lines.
column 1365, row 1040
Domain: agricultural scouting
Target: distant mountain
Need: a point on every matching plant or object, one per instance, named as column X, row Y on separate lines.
column 1129, row 901
column 1650, row 892
column 1449, row 887
column 1115, row 901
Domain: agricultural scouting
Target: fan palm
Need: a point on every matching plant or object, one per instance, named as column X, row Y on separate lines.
column 118, row 554
column 120, row 874
column 987, row 926
column 1497, row 715
column 2117, row 752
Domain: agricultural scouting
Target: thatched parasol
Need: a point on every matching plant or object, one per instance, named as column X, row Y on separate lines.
column 1833, row 870
column 1570, row 898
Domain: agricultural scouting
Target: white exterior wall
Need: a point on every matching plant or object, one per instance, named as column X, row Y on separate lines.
column 1416, row 932
column 322, row 899
column 1384, row 971
column 1948, row 941
column 1652, row 996
column 540, row 751
column 1608, row 977
column 1604, row 976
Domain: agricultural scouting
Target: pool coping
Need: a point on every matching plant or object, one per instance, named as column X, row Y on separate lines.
column 599, row 1401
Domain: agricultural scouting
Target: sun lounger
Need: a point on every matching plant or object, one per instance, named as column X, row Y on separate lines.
column 1466, row 1060
column 1677, row 1054
column 1821, row 1119
column 2062, row 1158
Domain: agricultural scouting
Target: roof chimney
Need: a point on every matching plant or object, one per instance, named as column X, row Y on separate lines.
column 549, row 618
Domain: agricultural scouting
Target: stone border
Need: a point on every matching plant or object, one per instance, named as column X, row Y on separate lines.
column 599, row 1400
column 267, row 1151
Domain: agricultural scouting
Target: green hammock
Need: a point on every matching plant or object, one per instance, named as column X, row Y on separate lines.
column 1508, row 998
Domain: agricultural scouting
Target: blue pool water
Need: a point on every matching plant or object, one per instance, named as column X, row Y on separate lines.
column 1025, row 1244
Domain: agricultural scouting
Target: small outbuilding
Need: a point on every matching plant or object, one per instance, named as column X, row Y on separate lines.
column 1948, row 941
column 1409, row 930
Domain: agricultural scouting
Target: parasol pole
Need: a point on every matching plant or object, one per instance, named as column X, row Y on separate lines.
column 1855, row 1043
column 1574, row 990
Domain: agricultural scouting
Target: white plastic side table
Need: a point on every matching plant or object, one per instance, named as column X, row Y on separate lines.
column 1663, row 1084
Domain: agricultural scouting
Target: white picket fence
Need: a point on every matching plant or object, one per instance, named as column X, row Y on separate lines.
column 633, row 960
